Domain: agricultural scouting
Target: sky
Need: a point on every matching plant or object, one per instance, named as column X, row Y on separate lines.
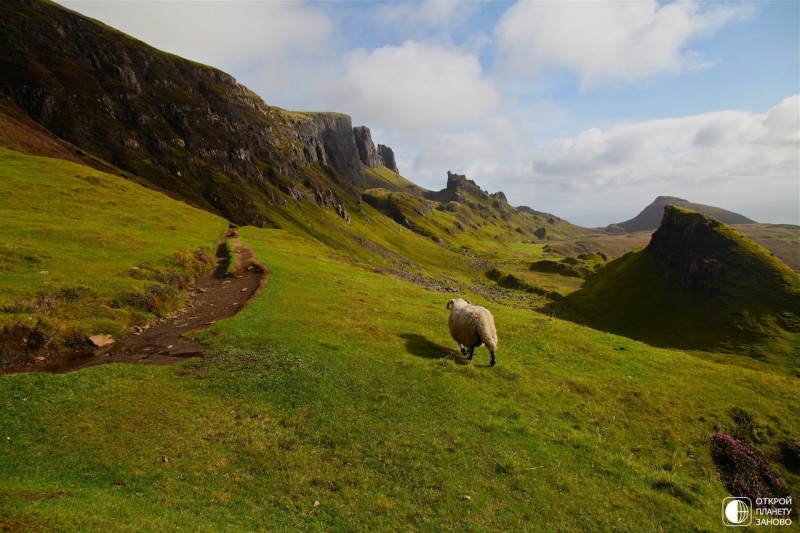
column 587, row 110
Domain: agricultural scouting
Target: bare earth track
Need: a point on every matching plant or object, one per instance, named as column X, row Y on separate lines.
column 215, row 297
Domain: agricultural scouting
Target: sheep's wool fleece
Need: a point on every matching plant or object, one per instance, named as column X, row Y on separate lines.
column 472, row 325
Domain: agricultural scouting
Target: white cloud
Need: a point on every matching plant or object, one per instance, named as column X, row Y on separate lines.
column 605, row 41
column 746, row 162
column 497, row 140
column 727, row 158
column 269, row 37
column 413, row 86
column 218, row 33
column 724, row 146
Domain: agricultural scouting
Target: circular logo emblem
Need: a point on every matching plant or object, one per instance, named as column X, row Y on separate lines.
column 737, row 512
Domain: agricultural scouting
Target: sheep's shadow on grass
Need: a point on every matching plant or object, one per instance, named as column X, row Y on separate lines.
column 421, row 346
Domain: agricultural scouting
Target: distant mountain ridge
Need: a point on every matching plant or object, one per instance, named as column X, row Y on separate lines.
column 650, row 217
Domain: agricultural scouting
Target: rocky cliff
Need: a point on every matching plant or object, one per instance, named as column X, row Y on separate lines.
column 688, row 248
column 327, row 139
column 370, row 156
column 458, row 189
column 366, row 148
column 387, row 158
column 185, row 127
column 704, row 256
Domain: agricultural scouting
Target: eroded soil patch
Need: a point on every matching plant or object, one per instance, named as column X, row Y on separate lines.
column 219, row 295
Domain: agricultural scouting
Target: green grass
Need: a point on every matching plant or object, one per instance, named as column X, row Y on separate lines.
column 233, row 259
column 530, row 249
column 341, row 385
column 383, row 178
column 76, row 245
column 376, row 242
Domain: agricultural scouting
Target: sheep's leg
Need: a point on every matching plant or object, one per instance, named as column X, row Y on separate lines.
column 470, row 353
column 491, row 363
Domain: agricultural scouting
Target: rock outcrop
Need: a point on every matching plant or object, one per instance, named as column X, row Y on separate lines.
column 457, row 190
column 689, row 249
column 387, row 158
column 366, row 148
column 370, row 156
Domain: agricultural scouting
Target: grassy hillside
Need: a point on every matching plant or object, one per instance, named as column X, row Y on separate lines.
column 83, row 252
column 463, row 215
column 450, row 245
column 337, row 401
column 783, row 240
column 699, row 285
column 383, row 178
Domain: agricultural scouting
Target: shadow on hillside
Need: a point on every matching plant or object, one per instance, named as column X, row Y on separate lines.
column 420, row 346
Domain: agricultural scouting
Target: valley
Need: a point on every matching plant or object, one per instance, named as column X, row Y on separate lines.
column 333, row 397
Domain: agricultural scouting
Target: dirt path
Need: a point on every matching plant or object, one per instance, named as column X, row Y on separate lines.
column 215, row 297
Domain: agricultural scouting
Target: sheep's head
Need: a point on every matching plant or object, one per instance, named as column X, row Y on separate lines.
column 457, row 302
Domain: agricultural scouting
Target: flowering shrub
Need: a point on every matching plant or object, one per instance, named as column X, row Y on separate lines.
column 743, row 470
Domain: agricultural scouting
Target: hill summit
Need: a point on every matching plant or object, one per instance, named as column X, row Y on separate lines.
column 650, row 217
column 699, row 284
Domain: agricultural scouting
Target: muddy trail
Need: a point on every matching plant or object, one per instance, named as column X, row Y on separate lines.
column 217, row 296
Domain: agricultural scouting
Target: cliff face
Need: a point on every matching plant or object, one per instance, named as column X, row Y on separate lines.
column 366, row 148
column 387, row 158
column 327, row 139
column 688, row 248
column 370, row 156
column 185, row 127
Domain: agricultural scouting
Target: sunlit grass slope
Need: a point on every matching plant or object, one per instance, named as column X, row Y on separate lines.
column 335, row 401
column 376, row 242
column 77, row 246
column 383, row 178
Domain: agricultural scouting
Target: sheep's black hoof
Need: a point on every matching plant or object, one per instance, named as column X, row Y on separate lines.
column 491, row 363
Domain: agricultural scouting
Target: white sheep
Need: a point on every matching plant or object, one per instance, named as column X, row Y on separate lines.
column 471, row 326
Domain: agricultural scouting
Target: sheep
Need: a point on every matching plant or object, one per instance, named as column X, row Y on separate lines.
column 471, row 326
